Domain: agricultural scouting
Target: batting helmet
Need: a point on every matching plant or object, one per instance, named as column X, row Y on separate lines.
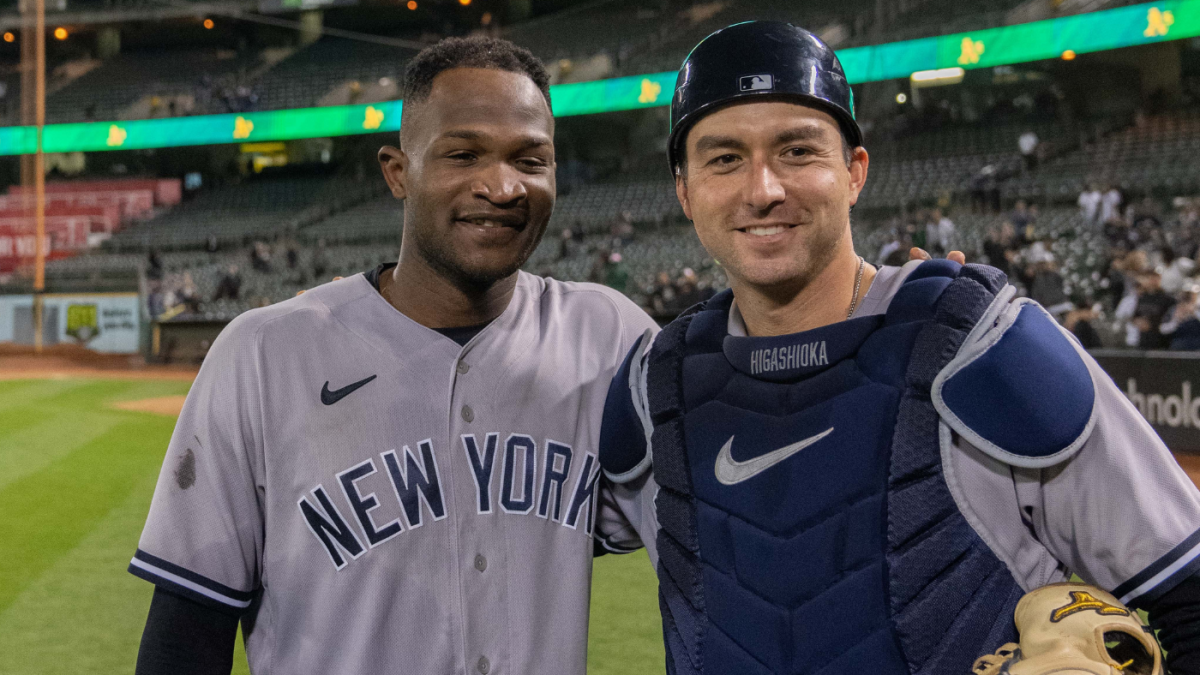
column 759, row 58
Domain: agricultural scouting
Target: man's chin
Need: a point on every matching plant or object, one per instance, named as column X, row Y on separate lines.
column 486, row 273
column 769, row 273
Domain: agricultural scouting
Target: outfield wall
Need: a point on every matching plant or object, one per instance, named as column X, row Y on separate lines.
column 103, row 322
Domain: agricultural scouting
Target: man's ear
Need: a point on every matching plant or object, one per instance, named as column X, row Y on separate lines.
column 859, row 161
column 681, row 191
column 394, row 164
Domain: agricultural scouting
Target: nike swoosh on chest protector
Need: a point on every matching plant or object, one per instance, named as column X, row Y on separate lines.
column 731, row 472
column 330, row 397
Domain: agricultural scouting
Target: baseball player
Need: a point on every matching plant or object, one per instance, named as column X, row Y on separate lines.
column 843, row 469
column 397, row 472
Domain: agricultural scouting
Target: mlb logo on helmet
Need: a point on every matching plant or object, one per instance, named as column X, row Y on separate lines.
column 756, row 83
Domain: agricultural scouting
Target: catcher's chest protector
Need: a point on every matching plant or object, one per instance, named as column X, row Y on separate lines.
column 805, row 523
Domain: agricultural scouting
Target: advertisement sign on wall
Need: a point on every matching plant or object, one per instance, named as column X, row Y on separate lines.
column 1164, row 387
column 103, row 322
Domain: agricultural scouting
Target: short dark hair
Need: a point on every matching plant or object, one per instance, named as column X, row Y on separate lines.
column 475, row 51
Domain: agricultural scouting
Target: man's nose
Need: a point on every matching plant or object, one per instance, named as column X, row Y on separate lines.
column 765, row 189
column 500, row 184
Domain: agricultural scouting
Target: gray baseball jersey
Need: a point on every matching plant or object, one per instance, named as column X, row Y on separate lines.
column 1120, row 512
column 375, row 498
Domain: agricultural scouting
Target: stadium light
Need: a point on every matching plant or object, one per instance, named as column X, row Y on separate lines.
column 412, row 4
column 208, row 23
column 464, row 3
column 940, row 76
column 9, row 37
column 1068, row 55
column 901, row 98
column 60, row 33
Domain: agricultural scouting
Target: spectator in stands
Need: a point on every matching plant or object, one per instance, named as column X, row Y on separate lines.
column 212, row 245
column 154, row 266
column 616, row 276
column 1046, row 286
column 1079, row 322
column 1027, row 143
column 929, row 238
column 662, row 296
column 999, row 248
column 260, row 257
column 155, row 298
column 187, row 294
column 1152, row 306
column 230, row 285
column 320, row 261
column 985, row 190
column 1146, row 213
column 945, row 232
column 894, row 244
column 599, row 267
column 1110, row 205
column 1021, row 217
column 687, row 289
column 1089, row 204
column 1177, row 271
column 292, row 255
column 1182, row 326
column 622, row 228
column 564, row 243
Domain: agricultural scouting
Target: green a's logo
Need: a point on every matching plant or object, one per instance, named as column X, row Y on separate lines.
column 82, row 322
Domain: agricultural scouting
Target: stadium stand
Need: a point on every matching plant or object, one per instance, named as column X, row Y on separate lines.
column 623, row 226
column 167, row 84
column 365, row 73
column 254, row 208
column 1155, row 154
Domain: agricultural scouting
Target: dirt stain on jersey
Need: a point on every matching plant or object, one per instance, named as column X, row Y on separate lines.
column 185, row 473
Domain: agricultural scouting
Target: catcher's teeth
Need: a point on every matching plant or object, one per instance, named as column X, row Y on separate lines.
column 765, row 231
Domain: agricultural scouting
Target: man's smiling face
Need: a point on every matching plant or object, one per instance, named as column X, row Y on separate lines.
column 769, row 189
column 476, row 173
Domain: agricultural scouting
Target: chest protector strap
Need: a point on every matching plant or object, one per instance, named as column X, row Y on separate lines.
column 949, row 598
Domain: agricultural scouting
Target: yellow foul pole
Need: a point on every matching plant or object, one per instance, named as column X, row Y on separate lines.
column 39, row 177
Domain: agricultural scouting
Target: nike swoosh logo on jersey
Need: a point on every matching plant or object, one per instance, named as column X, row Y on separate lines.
column 331, row 397
column 731, row 472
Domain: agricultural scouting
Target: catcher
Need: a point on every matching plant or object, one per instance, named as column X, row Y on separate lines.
column 843, row 469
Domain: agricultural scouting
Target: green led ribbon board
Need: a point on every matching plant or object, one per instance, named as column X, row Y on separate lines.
column 1092, row 32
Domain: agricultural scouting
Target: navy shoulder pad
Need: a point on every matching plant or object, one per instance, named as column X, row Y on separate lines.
column 1019, row 388
column 916, row 299
column 625, row 427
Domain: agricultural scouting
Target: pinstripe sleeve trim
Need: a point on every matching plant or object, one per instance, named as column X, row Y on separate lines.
column 187, row 583
column 1163, row 574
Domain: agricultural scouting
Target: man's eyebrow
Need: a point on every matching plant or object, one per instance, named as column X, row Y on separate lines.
column 711, row 142
column 465, row 134
column 525, row 142
column 800, row 134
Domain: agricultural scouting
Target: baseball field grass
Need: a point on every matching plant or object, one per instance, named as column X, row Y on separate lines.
column 76, row 478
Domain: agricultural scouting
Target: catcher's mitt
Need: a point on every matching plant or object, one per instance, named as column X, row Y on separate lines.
column 1075, row 629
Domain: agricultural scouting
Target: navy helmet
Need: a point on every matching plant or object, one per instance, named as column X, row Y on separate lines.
column 771, row 59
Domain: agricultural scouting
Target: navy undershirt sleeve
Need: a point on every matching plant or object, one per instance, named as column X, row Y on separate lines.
column 1176, row 617
column 184, row 637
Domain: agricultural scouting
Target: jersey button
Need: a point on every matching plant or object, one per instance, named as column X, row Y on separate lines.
column 463, row 367
column 483, row 666
column 467, row 413
column 480, row 563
